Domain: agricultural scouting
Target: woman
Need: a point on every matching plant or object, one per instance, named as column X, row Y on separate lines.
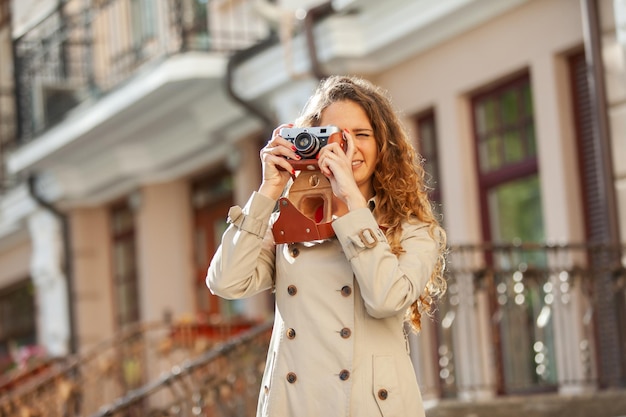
column 339, row 345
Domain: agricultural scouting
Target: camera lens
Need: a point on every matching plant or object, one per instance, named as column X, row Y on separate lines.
column 306, row 144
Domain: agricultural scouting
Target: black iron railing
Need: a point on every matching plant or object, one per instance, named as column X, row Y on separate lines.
column 85, row 49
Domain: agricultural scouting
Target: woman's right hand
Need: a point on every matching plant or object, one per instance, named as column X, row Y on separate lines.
column 276, row 167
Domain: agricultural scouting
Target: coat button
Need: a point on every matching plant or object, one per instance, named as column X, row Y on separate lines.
column 295, row 252
column 346, row 291
column 344, row 374
column 291, row 333
column 291, row 377
column 292, row 290
column 345, row 333
column 383, row 394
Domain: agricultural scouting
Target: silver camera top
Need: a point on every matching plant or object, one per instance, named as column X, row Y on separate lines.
column 309, row 140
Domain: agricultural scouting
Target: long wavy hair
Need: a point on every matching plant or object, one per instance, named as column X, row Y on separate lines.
column 399, row 179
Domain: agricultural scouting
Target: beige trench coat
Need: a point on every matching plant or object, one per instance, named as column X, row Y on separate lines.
column 338, row 346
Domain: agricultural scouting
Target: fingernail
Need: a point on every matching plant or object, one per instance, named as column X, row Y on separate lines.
column 293, row 172
column 293, row 148
column 317, row 156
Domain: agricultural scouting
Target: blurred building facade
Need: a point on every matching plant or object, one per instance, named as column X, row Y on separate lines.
column 129, row 127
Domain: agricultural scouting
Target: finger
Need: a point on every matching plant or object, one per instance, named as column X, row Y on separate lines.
column 285, row 150
column 277, row 139
column 332, row 150
column 324, row 169
column 276, row 132
column 281, row 163
column 350, row 146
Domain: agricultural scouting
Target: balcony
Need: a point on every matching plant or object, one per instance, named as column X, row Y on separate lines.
column 529, row 311
column 111, row 94
column 84, row 50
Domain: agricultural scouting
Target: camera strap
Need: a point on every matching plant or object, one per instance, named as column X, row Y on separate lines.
column 292, row 226
column 306, row 214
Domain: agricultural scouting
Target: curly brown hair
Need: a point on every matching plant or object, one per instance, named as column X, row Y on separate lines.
column 399, row 180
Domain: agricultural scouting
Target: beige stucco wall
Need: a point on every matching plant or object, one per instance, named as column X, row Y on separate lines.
column 247, row 178
column 164, row 251
column 523, row 39
column 93, row 305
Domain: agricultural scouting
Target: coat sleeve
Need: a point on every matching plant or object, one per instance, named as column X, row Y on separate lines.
column 389, row 284
column 243, row 264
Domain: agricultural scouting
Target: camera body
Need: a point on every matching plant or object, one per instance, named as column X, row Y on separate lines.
column 309, row 140
column 311, row 192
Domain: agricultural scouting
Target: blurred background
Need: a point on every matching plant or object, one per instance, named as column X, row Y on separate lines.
column 129, row 127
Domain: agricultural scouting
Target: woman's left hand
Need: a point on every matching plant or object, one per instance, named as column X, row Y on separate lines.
column 336, row 165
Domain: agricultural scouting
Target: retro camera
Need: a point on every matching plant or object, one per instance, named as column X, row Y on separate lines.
column 309, row 140
column 305, row 214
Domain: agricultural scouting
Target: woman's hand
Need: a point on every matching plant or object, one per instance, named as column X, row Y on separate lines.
column 336, row 165
column 276, row 167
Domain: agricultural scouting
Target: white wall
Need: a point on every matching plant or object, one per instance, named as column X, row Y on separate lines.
column 27, row 13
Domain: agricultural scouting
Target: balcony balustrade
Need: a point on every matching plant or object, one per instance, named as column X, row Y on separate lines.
column 529, row 296
column 85, row 49
column 143, row 355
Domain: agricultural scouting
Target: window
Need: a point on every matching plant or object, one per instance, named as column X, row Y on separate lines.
column 125, row 280
column 506, row 153
column 504, row 128
column 428, row 149
column 511, row 212
column 17, row 320
column 211, row 199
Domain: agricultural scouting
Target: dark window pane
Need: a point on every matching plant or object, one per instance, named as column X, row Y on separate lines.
column 17, row 320
column 531, row 144
column 504, row 115
column 427, row 146
column 527, row 100
column 486, row 117
column 490, row 154
column 515, row 209
column 513, row 148
column 509, row 108
column 124, row 266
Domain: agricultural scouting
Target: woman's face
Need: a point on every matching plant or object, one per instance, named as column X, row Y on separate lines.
column 347, row 114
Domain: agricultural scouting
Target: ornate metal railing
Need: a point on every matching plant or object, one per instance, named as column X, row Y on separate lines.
column 130, row 362
column 523, row 293
column 526, row 293
column 86, row 48
column 224, row 381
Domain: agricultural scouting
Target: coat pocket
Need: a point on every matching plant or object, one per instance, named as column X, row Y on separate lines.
column 385, row 386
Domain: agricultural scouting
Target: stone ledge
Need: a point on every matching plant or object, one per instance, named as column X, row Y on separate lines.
column 611, row 403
